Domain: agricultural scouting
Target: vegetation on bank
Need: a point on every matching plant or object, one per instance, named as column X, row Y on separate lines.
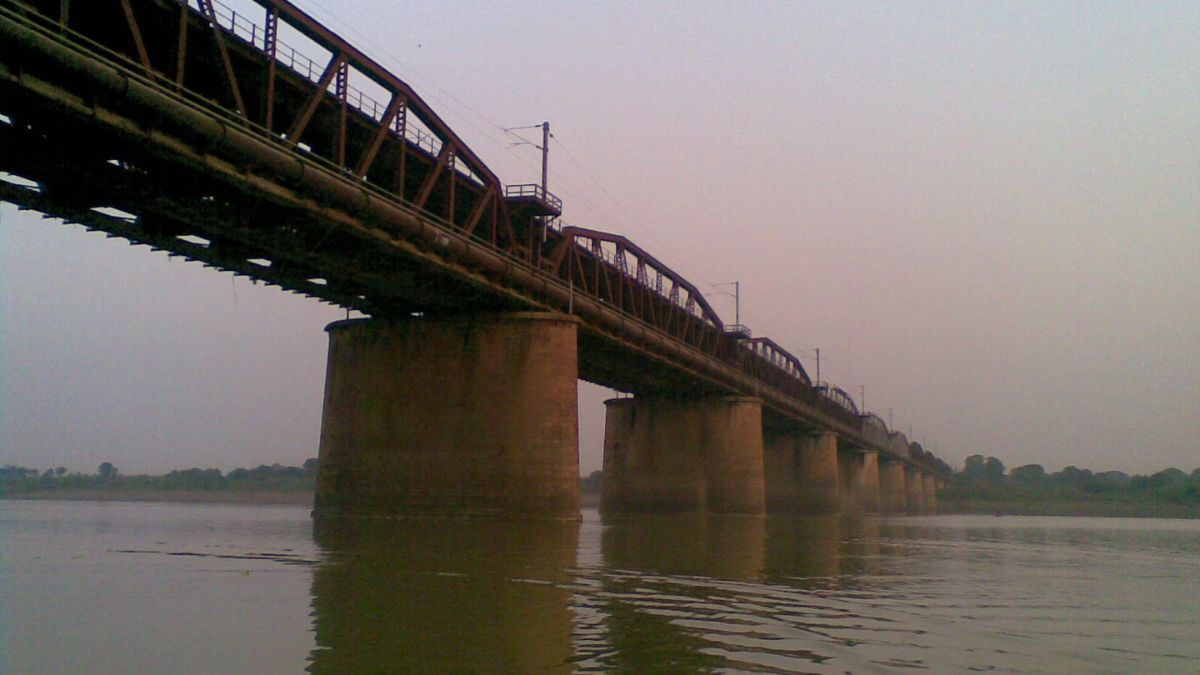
column 985, row 486
column 188, row 484
column 20, row 481
column 592, row 482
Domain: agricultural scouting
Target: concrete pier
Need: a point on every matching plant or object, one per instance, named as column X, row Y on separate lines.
column 801, row 472
column 892, row 494
column 681, row 455
column 817, row 473
column 851, row 478
column 929, row 493
column 467, row 415
column 870, row 480
column 781, row 451
column 914, row 490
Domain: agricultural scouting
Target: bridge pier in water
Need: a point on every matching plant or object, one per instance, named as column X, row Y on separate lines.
column 871, row 486
column 929, row 493
column 859, row 477
column 684, row 454
column 802, row 472
column 914, row 490
column 466, row 414
column 892, row 494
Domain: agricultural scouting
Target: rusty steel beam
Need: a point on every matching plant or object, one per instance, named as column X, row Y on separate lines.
column 136, row 32
column 181, row 45
column 432, row 178
column 368, row 155
column 206, row 6
column 310, row 108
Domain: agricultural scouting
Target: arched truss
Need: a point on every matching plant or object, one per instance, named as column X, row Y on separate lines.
column 618, row 272
column 875, row 429
column 768, row 350
column 838, row 396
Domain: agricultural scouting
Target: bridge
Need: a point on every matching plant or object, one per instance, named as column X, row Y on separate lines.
column 257, row 141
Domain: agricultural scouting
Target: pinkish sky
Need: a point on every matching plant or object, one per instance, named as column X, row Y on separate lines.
column 986, row 215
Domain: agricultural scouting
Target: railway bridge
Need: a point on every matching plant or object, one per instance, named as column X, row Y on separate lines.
column 255, row 140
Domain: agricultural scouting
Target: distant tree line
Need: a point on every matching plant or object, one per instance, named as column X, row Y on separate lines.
column 592, row 482
column 276, row 477
column 985, row 480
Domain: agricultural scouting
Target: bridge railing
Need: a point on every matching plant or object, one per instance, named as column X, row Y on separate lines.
column 257, row 35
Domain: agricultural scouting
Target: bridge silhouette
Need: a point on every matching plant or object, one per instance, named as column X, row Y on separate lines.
column 263, row 144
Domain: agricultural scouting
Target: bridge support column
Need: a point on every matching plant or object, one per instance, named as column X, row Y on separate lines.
column 817, row 472
column 914, row 490
column 780, row 450
column 464, row 415
column 929, row 493
column 801, row 472
column 870, row 487
column 852, row 473
column 891, row 487
column 680, row 455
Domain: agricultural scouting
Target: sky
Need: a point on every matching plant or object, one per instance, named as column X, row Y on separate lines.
column 985, row 215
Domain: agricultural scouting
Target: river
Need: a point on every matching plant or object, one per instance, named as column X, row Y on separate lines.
column 109, row 587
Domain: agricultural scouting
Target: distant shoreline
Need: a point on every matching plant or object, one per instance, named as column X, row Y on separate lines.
column 591, row 499
column 1079, row 508
column 278, row 497
column 588, row 498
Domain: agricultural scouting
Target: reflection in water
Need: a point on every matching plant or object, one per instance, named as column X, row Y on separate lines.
column 431, row 595
column 694, row 593
column 202, row 588
column 704, row 593
column 730, row 547
column 642, row 610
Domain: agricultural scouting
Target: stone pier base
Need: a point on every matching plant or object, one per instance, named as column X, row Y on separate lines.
column 801, row 472
column 681, row 455
column 891, row 487
column 462, row 415
column 870, row 480
column 858, row 494
column 914, row 490
column 929, row 493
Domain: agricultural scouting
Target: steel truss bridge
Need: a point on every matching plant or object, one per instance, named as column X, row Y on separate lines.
column 266, row 145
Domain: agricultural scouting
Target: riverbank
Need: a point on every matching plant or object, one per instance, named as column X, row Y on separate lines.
column 588, row 498
column 288, row 497
column 1081, row 508
column 591, row 499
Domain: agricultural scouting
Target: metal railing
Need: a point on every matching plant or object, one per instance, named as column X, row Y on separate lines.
column 249, row 31
column 535, row 191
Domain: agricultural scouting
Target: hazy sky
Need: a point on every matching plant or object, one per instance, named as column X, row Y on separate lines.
column 985, row 214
